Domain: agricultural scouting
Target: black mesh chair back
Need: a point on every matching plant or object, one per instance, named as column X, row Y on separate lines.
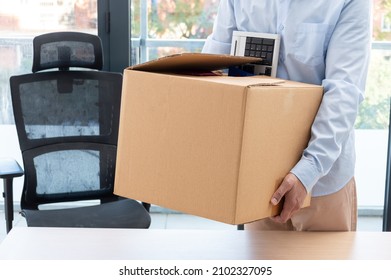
column 67, row 123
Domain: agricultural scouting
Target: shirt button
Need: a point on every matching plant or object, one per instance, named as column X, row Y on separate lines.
column 282, row 27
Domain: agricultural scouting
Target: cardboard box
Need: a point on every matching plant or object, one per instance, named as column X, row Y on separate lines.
column 212, row 146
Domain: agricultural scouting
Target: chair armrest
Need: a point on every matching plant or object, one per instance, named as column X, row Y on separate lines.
column 9, row 168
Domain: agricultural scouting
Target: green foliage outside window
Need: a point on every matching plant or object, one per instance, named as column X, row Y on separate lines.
column 374, row 111
column 167, row 19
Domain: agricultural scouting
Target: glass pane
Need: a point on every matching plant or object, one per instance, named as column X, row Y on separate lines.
column 185, row 19
column 21, row 21
column 373, row 118
column 135, row 17
column 375, row 108
column 167, row 20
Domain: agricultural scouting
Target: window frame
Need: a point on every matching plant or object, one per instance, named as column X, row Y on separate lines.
column 115, row 33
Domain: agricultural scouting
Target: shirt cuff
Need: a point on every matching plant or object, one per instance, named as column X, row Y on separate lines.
column 306, row 171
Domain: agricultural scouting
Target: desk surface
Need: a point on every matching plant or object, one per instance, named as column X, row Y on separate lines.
column 116, row 244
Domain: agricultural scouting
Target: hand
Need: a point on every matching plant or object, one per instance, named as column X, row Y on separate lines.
column 294, row 192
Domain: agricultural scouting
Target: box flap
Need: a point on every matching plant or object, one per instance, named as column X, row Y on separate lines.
column 266, row 81
column 193, row 62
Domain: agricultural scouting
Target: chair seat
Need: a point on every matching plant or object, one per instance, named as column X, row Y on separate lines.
column 124, row 213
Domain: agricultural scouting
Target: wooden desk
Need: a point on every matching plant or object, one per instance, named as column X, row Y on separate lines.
column 120, row 244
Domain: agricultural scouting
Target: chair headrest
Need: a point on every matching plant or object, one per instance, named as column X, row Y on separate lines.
column 67, row 49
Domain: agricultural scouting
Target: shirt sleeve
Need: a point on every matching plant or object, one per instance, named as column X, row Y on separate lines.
column 347, row 59
column 219, row 41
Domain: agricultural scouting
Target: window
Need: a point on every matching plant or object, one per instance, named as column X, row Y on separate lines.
column 20, row 22
column 163, row 27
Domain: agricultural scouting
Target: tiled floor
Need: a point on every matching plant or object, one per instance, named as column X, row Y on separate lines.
column 183, row 221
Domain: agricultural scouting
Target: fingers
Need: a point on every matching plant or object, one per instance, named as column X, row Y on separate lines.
column 286, row 185
column 287, row 211
column 294, row 193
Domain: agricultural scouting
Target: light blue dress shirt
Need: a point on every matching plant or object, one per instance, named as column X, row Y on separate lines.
column 324, row 42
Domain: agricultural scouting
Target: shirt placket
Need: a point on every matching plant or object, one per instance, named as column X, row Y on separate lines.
column 283, row 10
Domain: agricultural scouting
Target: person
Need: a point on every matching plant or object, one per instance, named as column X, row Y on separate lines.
column 325, row 42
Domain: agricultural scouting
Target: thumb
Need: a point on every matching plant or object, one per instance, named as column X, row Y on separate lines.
column 285, row 186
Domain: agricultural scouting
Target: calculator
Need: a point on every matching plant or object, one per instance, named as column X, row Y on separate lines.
column 261, row 45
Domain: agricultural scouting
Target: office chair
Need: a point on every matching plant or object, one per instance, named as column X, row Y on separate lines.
column 387, row 195
column 67, row 123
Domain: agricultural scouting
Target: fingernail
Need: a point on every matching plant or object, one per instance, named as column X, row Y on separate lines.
column 274, row 201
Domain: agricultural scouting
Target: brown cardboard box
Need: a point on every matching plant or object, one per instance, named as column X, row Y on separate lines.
column 212, row 146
